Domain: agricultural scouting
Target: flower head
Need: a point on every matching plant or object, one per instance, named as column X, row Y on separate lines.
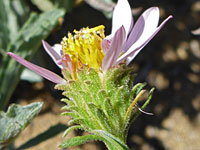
column 84, row 48
column 89, row 46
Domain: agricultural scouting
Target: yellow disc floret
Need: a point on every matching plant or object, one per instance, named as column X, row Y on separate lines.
column 84, row 47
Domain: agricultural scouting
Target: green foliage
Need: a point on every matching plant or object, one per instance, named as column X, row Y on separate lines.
column 110, row 141
column 16, row 119
column 23, row 41
column 78, row 140
column 76, row 127
column 103, row 105
column 12, row 15
column 46, row 5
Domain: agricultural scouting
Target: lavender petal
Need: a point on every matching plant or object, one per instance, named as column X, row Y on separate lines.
column 39, row 70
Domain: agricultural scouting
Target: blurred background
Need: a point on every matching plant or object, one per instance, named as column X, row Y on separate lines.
column 170, row 63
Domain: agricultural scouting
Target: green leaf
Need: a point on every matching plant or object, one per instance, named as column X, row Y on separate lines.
column 113, row 117
column 135, row 90
column 104, row 120
column 148, row 100
column 93, row 109
column 76, row 121
column 122, row 94
column 26, row 43
column 75, row 127
column 66, row 101
column 137, row 112
column 70, row 114
column 15, row 120
column 74, row 98
column 112, row 142
column 46, row 5
column 115, row 78
column 78, row 140
column 43, row 5
column 91, row 84
column 11, row 14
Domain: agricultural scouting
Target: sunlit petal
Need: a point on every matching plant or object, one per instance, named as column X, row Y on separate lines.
column 144, row 27
column 41, row 71
column 58, row 49
column 113, row 53
column 122, row 15
column 54, row 53
column 136, row 48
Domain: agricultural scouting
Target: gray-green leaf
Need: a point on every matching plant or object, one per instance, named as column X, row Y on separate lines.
column 15, row 120
column 28, row 40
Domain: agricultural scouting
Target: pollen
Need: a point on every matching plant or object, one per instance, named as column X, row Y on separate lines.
column 84, row 47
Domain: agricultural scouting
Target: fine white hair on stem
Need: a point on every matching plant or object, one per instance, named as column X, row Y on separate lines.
column 142, row 111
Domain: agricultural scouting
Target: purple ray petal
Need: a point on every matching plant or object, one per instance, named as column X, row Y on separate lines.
column 54, row 53
column 39, row 70
column 135, row 48
column 68, row 62
column 144, row 27
column 105, row 44
column 113, row 53
column 122, row 15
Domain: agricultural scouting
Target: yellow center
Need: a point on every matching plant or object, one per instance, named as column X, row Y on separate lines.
column 84, row 47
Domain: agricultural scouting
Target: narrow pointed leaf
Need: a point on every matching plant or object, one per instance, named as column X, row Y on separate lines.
column 148, row 100
column 78, row 140
column 135, row 90
column 69, row 129
column 138, row 112
column 117, row 143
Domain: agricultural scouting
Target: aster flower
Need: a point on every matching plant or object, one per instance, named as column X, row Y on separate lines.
column 90, row 47
column 100, row 96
